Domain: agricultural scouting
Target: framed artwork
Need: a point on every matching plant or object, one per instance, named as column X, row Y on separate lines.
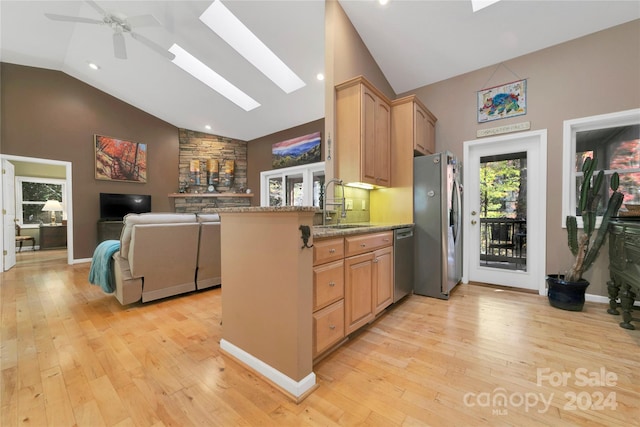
column 297, row 151
column 501, row 102
column 119, row 160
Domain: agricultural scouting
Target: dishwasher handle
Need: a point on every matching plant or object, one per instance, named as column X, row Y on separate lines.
column 404, row 234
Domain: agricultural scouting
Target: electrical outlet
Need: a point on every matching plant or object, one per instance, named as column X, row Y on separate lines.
column 364, row 205
column 349, row 204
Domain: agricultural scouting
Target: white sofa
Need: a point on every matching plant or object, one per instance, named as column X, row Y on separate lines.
column 159, row 256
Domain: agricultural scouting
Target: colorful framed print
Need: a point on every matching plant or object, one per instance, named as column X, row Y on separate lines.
column 501, row 102
column 119, row 160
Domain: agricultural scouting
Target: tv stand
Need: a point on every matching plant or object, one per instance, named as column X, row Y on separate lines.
column 109, row 230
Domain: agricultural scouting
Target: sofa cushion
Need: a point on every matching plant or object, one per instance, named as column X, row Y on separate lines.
column 149, row 218
column 204, row 217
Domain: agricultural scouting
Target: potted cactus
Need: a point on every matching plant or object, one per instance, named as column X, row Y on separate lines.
column 567, row 291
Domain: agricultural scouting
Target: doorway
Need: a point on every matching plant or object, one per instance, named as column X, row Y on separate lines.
column 8, row 233
column 505, row 210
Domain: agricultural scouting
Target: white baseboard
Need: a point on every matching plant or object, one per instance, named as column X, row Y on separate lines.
column 81, row 260
column 604, row 300
column 295, row 388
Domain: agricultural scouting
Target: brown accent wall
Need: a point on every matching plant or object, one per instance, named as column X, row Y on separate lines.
column 259, row 152
column 50, row 115
column 595, row 74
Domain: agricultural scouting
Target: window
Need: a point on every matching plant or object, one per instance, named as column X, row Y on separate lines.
column 614, row 140
column 293, row 186
column 31, row 195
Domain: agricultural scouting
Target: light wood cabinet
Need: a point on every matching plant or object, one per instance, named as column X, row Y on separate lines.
column 383, row 279
column 413, row 124
column 350, row 291
column 368, row 279
column 328, row 294
column 363, row 134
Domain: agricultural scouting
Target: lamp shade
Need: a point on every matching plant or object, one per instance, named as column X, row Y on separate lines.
column 52, row 206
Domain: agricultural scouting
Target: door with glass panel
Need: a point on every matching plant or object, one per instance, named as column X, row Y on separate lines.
column 505, row 210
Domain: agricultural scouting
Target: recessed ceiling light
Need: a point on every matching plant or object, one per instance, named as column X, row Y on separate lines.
column 207, row 127
column 481, row 4
column 383, row 2
column 93, row 66
column 215, row 81
column 233, row 31
column 320, row 76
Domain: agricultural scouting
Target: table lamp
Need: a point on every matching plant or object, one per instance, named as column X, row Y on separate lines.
column 52, row 206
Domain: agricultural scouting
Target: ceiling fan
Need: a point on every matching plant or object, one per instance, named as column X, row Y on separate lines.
column 120, row 26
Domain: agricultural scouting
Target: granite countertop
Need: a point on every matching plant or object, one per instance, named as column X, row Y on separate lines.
column 321, row 232
column 265, row 209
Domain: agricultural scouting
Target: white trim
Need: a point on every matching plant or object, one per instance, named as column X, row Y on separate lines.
column 569, row 129
column 69, row 193
column 296, row 388
column 534, row 277
column 19, row 201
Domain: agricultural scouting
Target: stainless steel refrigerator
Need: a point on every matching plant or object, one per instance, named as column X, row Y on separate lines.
column 438, row 224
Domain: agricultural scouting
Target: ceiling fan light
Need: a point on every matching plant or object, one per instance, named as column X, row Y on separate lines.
column 226, row 25
column 215, row 81
column 93, row 66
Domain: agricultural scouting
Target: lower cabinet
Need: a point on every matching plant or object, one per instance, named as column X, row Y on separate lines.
column 328, row 294
column 368, row 286
column 349, row 292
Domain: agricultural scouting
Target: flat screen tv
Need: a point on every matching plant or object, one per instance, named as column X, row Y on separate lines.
column 113, row 207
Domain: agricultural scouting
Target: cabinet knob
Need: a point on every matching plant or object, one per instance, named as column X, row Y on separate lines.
column 385, row 240
column 332, row 284
column 375, row 260
column 332, row 327
column 332, row 251
column 362, row 245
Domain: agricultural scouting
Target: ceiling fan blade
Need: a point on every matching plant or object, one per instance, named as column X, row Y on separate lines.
column 98, row 9
column 143, row 21
column 119, row 48
column 152, row 45
column 66, row 18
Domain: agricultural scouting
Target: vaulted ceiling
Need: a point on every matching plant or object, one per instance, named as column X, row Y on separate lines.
column 415, row 43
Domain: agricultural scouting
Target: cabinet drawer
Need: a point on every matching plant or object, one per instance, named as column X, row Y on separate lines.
column 328, row 250
column 328, row 284
column 367, row 242
column 328, row 327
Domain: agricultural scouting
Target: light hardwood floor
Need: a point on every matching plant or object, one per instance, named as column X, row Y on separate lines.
column 73, row 356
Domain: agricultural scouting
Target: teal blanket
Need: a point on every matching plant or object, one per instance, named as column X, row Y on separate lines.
column 101, row 272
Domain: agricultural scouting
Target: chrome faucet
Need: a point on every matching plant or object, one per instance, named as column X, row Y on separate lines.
column 342, row 203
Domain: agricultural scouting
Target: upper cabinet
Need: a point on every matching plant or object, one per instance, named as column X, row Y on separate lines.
column 363, row 134
column 414, row 124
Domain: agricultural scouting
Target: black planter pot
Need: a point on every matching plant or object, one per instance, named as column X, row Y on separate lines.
column 566, row 295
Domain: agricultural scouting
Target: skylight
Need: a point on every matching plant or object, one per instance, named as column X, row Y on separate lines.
column 215, row 81
column 481, row 4
column 226, row 25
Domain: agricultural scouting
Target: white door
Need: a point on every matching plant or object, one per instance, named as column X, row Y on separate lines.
column 9, row 214
column 506, row 250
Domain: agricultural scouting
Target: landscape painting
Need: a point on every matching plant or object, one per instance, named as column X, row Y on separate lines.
column 297, row 151
column 119, row 160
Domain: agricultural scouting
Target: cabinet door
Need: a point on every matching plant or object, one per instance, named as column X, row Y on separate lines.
column 369, row 108
column 328, row 327
column 383, row 278
column 358, row 298
column 383, row 144
column 328, row 284
column 420, row 129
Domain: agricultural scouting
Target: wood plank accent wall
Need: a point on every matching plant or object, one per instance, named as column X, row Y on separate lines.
column 203, row 146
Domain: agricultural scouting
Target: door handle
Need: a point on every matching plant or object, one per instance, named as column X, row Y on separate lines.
column 473, row 212
column 474, row 222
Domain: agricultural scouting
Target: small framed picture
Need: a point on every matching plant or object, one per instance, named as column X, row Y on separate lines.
column 501, row 102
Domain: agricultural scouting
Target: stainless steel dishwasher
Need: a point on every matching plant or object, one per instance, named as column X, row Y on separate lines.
column 402, row 262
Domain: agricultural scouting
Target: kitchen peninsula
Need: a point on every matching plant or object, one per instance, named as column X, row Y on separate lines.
column 269, row 295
